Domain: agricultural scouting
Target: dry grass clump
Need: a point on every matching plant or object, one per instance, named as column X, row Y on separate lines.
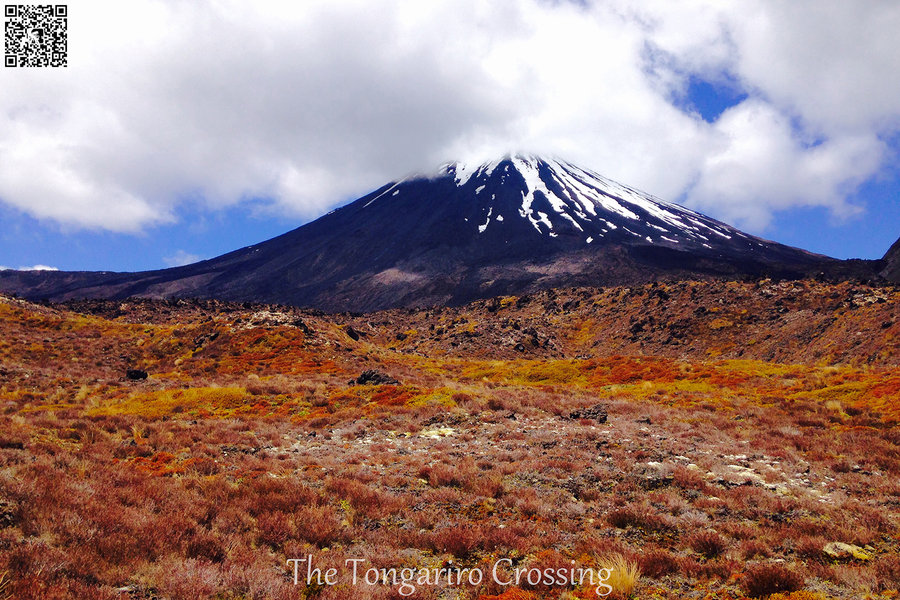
column 887, row 572
column 623, row 573
column 640, row 515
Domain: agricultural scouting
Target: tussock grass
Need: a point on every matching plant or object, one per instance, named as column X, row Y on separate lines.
column 623, row 573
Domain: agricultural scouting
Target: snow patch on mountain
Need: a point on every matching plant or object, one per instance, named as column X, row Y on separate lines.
column 557, row 197
column 579, row 196
column 463, row 172
column 482, row 228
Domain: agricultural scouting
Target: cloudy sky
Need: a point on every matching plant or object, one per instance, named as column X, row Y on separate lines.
column 181, row 130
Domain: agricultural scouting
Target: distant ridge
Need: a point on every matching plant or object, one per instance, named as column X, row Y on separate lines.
column 517, row 224
column 891, row 270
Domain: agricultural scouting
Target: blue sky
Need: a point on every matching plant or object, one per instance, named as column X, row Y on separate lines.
column 198, row 234
column 166, row 140
column 867, row 234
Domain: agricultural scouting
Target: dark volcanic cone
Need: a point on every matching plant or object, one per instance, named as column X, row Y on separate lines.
column 512, row 226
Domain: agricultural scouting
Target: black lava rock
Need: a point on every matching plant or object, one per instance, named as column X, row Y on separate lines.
column 135, row 374
column 375, row 377
column 596, row 412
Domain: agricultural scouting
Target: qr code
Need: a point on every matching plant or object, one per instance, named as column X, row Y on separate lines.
column 35, row 36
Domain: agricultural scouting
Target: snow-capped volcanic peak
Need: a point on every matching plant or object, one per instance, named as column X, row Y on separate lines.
column 507, row 227
column 555, row 192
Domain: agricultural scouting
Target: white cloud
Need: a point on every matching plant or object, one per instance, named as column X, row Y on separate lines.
column 181, row 258
column 833, row 63
column 33, row 268
column 312, row 103
column 759, row 167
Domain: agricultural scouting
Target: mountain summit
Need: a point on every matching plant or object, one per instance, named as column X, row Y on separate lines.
column 557, row 199
column 510, row 226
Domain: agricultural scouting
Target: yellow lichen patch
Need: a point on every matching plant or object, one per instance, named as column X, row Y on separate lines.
column 880, row 394
column 507, row 301
column 442, row 396
column 368, row 397
column 583, row 332
column 156, row 404
column 23, row 396
column 556, row 371
column 527, row 372
column 721, row 323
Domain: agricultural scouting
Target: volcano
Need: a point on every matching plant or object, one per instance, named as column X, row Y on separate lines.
column 515, row 225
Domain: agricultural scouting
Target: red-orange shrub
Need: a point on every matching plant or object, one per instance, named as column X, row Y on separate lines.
column 708, row 543
column 765, row 579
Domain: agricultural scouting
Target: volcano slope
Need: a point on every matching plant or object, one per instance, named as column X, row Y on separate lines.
column 517, row 225
column 655, row 430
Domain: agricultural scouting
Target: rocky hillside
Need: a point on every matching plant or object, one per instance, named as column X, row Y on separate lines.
column 804, row 321
column 800, row 321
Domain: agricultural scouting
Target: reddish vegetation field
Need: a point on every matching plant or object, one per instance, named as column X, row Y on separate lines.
column 748, row 451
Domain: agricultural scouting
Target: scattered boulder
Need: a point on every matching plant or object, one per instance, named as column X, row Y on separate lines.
column 202, row 340
column 7, row 443
column 135, row 374
column 8, row 514
column 302, row 326
column 597, row 413
column 351, row 333
column 437, row 433
column 842, row 551
column 374, row 377
column 229, row 450
column 128, row 589
column 652, row 475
